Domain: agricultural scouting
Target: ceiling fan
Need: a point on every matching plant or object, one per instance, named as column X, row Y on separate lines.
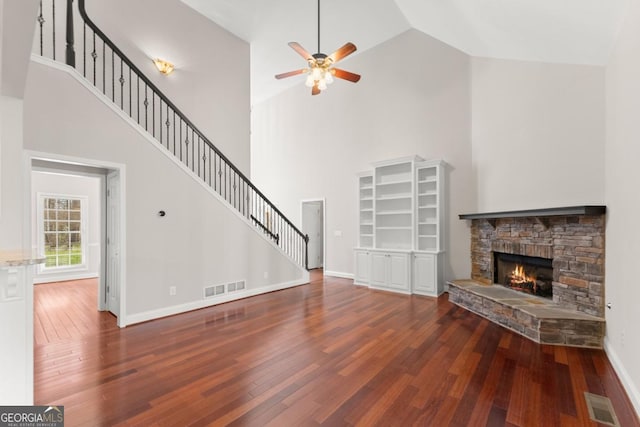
column 321, row 70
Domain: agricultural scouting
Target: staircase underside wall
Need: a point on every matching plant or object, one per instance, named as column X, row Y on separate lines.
column 199, row 243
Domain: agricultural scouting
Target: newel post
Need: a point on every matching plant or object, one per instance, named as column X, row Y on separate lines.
column 306, row 252
column 70, row 54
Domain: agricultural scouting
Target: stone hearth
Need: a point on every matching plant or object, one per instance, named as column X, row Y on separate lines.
column 573, row 238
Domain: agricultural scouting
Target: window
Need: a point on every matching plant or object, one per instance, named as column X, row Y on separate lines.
column 63, row 221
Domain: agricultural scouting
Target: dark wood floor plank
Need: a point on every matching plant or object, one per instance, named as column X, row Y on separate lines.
column 327, row 353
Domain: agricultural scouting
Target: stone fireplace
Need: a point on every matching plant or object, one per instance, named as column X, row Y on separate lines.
column 553, row 258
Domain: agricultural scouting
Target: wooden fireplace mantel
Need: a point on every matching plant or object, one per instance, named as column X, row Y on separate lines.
column 572, row 210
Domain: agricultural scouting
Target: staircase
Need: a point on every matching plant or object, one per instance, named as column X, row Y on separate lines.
column 109, row 70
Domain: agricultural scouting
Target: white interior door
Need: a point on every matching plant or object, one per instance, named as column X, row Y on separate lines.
column 113, row 243
column 312, row 224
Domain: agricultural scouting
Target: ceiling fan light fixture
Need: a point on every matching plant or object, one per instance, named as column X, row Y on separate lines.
column 320, row 66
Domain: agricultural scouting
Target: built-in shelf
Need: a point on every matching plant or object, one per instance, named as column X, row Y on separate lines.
column 399, row 212
column 394, row 196
column 393, row 228
column 572, row 210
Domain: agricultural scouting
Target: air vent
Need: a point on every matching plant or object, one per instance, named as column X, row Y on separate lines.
column 601, row 410
column 212, row 291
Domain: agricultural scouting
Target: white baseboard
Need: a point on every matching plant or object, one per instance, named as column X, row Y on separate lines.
column 132, row 319
column 64, row 278
column 338, row 274
column 625, row 379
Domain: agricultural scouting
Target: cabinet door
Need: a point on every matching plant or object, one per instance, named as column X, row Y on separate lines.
column 378, row 269
column 424, row 281
column 362, row 268
column 399, row 271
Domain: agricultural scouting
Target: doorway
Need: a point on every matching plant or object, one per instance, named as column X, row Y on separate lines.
column 103, row 260
column 313, row 224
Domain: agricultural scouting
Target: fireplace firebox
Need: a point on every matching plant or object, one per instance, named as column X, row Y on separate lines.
column 531, row 275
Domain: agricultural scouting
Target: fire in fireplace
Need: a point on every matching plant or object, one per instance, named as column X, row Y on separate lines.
column 531, row 275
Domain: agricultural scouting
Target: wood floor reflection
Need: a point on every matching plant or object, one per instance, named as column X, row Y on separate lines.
column 326, row 353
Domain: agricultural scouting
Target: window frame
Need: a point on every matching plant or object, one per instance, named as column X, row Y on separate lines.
column 84, row 201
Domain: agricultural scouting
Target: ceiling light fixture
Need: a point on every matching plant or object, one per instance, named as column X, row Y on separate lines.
column 165, row 67
column 321, row 71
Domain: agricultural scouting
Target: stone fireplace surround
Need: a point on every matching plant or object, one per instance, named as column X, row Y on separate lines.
column 574, row 239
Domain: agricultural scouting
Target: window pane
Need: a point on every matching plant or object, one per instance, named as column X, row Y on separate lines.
column 62, row 236
column 63, row 204
column 63, row 242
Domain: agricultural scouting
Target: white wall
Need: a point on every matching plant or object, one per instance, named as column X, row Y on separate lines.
column 69, row 185
column 16, row 317
column 200, row 242
column 414, row 98
column 623, row 203
column 538, row 134
column 211, row 81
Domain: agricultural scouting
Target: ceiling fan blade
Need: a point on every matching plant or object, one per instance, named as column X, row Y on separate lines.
column 345, row 75
column 291, row 73
column 301, row 51
column 315, row 90
column 343, row 52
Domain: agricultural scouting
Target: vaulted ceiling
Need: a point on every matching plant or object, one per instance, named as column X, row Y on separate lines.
column 562, row 31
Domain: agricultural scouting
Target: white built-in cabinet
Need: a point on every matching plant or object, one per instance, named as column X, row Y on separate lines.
column 401, row 218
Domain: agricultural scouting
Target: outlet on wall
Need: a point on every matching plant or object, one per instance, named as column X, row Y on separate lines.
column 172, row 290
column 266, row 274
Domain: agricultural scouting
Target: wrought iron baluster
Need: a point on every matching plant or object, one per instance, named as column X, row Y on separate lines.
column 168, row 124
column 53, row 26
column 138, row 96
column 153, row 114
column 186, row 142
column 113, row 78
column 41, row 21
column 146, row 107
column 180, row 138
column 193, row 151
column 104, row 69
column 84, row 50
column 130, row 84
column 160, row 127
column 174, row 132
column 121, row 85
column 70, row 54
column 94, row 55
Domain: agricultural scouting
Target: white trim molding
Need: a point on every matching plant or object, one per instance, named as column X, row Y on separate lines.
column 338, row 274
column 208, row 302
column 623, row 375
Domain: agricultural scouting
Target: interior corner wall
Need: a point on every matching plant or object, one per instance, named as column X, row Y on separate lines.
column 538, row 134
column 413, row 99
column 210, row 83
column 623, row 203
column 69, row 185
column 200, row 242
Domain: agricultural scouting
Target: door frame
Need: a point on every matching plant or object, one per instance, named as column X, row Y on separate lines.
column 324, row 224
column 74, row 163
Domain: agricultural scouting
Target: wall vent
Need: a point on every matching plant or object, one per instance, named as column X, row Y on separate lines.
column 601, row 410
column 215, row 290
column 212, row 291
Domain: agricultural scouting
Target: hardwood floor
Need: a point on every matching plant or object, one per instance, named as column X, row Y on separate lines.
column 326, row 353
